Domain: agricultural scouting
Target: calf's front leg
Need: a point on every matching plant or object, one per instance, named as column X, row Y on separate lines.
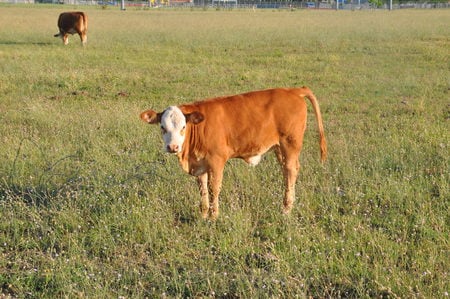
column 210, row 184
column 215, row 184
column 202, row 181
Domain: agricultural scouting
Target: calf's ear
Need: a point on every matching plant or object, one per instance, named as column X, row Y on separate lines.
column 151, row 117
column 194, row 117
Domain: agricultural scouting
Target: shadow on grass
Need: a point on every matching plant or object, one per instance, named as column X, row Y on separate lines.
column 29, row 195
column 15, row 43
column 328, row 288
column 43, row 188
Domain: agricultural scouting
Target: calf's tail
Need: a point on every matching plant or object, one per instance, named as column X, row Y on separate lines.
column 306, row 92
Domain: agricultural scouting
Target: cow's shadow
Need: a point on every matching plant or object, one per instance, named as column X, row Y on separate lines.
column 14, row 42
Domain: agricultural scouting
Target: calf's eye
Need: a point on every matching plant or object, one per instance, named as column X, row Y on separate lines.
column 183, row 131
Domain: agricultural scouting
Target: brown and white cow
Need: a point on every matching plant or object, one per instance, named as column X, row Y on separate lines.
column 205, row 134
column 71, row 23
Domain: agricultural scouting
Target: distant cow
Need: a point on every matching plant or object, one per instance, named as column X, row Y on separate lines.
column 71, row 23
column 205, row 134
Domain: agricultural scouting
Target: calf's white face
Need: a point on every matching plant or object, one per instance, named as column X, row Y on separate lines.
column 173, row 127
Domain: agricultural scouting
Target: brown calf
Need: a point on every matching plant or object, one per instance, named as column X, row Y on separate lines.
column 71, row 23
column 205, row 134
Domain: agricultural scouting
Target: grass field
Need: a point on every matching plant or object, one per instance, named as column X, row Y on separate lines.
column 91, row 207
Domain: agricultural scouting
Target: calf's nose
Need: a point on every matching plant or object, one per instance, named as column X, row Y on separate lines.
column 172, row 148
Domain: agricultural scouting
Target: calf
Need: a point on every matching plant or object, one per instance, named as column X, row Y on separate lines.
column 205, row 134
column 71, row 23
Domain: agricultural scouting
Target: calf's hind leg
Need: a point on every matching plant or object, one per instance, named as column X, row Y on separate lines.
column 288, row 158
column 83, row 38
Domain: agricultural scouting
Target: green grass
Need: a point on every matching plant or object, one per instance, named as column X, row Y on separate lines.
column 91, row 207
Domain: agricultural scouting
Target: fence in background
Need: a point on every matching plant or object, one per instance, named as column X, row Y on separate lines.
column 242, row 4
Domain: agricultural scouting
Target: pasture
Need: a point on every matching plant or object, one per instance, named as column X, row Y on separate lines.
column 91, row 207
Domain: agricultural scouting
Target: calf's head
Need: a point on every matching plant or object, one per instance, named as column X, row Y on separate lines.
column 173, row 124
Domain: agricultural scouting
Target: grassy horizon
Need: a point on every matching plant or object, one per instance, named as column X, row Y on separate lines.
column 91, row 207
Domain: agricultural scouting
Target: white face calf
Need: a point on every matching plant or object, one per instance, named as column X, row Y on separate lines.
column 173, row 127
